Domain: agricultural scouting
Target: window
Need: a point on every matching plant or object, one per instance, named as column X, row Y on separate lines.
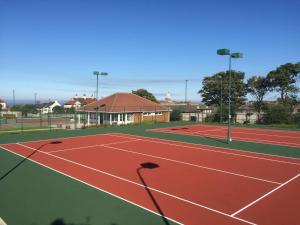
column 129, row 116
column 149, row 113
column 158, row 113
column 114, row 117
column 122, row 117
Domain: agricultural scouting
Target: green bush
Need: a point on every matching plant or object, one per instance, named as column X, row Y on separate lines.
column 278, row 113
column 175, row 115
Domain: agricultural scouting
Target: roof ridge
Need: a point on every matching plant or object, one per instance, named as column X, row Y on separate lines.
column 142, row 98
column 114, row 100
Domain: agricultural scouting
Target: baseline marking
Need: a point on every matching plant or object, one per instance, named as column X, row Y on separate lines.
column 156, row 190
column 236, row 138
column 194, row 165
column 281, row 143
column 91, row 146
column 169, row 142
column 163, row 158
column 264, row 196
column 90, row 185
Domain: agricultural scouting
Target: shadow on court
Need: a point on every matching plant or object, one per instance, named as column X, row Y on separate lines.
column 25, row 159
column 150, row 165
column 61, row 221
column 223, row 141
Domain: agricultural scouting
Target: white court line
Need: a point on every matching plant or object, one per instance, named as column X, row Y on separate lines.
column 281, row 143
column 90, row 185
column 264, row 196
column 270, row 135
column 194, row 165
column 168, row 159
column 125, row 134
column 239, row 132
column 91, row 146
column 138, row 184
column 60, row 138
column 159, row 157
column 167, row 142
column 234, row 127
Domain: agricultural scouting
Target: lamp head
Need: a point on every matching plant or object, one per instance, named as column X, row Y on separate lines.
column 223, row 51
column 237, row 55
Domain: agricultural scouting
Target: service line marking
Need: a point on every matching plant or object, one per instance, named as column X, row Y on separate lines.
column 265, row 195
column 138, row 184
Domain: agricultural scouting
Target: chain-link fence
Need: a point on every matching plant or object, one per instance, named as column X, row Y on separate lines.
column 18, row 121
column 101, row 116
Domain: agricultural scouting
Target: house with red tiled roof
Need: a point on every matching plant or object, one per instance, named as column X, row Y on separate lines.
column 124, row 108
column 78, row 102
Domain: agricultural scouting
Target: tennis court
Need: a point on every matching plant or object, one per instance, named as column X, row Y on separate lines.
column 277, row 137
column 180, row 182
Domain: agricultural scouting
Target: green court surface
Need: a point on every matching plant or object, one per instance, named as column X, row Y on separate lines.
column 34, row 195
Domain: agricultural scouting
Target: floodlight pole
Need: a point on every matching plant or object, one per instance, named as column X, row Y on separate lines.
column 229, row 102
column 221, row 101
column 97, row 73
column 231, row 55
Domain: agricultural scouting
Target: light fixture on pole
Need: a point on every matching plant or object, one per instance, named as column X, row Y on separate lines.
column 185, row 97
column 97, row 73
column 236, row 55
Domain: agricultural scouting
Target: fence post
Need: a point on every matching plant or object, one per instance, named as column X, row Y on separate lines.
column 155, row 114
column 0, row 116
column 49, row 121
column 22, row 122
column 75, row 120
column 41, row 121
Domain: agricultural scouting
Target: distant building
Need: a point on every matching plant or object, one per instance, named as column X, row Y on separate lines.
column 78, row 102
column 3, row 104
column 123, row 108
column 48, row 107
column 296, row 109
column 195, row 112
column 247, row 114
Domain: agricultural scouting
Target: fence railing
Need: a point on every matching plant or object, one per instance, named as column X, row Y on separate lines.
column 18, row 121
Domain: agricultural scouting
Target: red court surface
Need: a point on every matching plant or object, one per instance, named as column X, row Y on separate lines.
column 192, row 184
column 277, row 137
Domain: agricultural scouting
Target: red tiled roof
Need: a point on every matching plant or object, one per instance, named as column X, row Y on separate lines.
column 124, row 102
column 70, row 102
column 82, row 101
column 2, row 101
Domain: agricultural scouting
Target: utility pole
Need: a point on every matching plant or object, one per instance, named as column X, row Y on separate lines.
column 35, row 94
column 14, row 97
column 186, row 81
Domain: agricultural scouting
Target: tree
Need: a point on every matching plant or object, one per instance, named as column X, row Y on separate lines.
column 70, row 110
column 211, row 90
column 283, row 80
column 175, row 115
column 277, row 113
column 258, row 87
column 145, row 94
column 25, row 109
column 58, row 109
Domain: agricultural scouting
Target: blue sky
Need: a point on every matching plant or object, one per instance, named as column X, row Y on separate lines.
column 52, row 47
